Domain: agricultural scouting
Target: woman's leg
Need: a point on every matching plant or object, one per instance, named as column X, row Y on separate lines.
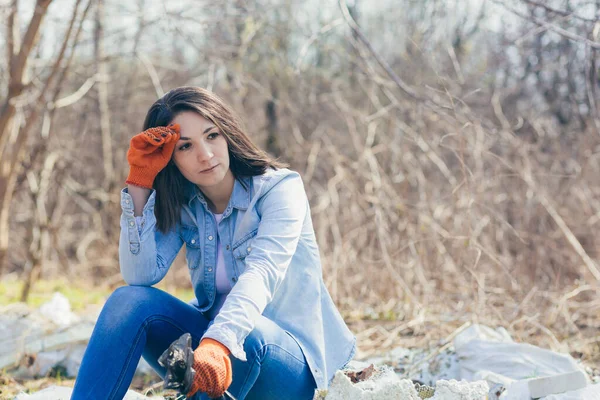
column 135, row 320
column 276, row 367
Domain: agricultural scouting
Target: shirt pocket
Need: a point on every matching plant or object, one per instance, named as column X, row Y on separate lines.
column 242, row 248
column 191, row 237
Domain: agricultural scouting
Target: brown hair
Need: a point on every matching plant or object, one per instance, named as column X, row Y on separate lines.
column 245, row 158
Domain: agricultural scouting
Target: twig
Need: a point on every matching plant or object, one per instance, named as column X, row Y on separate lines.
column 557, row 11
column 153, row 74
column 76, row 96
column 448, row 343
column 313, row 38
column 589, row 263
column 399, row 82
column 552, row 27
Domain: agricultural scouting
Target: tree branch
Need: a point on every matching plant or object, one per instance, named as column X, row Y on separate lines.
column 557, row 29
column 12, row 44
column 355, row 28
column 557, row 11
column 30, row 37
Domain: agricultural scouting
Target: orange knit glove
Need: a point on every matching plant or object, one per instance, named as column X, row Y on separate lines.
column 213, row 369
column 149, row 152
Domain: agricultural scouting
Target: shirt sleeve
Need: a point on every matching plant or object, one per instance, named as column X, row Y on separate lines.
column 139, row 222
column 283, row 210
column 145, row 253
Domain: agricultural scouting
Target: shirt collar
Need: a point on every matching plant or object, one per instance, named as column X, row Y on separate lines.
column 240, row 196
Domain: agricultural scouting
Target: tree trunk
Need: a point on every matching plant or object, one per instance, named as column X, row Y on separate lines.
column 102, row 88
column 9, row 153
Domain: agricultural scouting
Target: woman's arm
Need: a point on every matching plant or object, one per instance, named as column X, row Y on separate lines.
column 146, row 254
column 139, row 196
column 283, row 211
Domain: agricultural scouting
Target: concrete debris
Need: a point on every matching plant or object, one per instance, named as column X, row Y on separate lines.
column 416, row 364
column 591, row 392
column 64, row 393
column 460, row 390
column 58, row 311
column 384, row 383
column 34, row 342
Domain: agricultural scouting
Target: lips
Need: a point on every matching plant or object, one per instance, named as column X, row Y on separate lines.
column 208, row 170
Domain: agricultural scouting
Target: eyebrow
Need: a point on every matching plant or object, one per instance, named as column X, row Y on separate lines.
column 205, row 131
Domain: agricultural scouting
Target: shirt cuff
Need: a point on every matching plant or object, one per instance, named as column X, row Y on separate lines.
column 229, row 340
column 139, row 221
column 127, row 202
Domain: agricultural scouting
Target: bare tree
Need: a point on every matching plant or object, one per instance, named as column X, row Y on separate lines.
column 12, row 140
column 44, row 223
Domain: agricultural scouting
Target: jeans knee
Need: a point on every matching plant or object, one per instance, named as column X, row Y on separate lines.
column 259, row 339
column 132, row 295
column 127, row 302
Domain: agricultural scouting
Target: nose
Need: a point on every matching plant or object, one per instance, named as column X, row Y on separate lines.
column 204, row 153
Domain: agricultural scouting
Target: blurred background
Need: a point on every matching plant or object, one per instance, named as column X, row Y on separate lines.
column 448, row 148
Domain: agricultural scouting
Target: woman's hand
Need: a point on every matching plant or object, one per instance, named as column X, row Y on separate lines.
column 149, row 152
column 213, row 369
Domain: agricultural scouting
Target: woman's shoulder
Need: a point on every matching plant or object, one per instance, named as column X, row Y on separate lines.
column 272, row 177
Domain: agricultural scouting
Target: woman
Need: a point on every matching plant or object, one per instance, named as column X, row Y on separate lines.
column 262, row 324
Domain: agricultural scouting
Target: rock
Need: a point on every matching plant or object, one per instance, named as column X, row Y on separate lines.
column 64, row 393
column 58, row 311
column 460, row 390
column 32, row 342
column 591, row 392
column 383, row 383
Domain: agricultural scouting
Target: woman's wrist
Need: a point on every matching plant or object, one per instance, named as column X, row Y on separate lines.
column 140, row 196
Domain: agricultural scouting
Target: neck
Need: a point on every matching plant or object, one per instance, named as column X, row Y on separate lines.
column 218, row 196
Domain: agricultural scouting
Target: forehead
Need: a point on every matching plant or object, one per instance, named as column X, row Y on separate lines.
column 191, row 123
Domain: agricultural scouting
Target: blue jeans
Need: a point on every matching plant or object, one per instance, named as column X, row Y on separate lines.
column 141, row 321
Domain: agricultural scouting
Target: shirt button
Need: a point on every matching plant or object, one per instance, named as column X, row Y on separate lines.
column 249, row 249
column 209, row 269
column 126, row 201
column 210, row 237
column 132, row 223
column 193, row 241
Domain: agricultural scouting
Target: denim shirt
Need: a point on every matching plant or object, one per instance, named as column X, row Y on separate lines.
column 271, row 257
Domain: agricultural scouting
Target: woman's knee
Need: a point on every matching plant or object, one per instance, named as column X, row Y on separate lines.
column 129, row 302
column 266, row 333
column 132, row 295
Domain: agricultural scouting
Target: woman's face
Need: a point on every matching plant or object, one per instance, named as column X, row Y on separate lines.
column 201, row 153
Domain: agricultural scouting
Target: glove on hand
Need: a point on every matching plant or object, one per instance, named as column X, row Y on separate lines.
column 213, row 369
column 149, row 152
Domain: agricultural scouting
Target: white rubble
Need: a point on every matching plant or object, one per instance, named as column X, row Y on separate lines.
column 385, row 384
column 482, row 349
column 463, row 390
column 591, row 392
column 64, row 393
column 515, row 371
column 58, row 311
column 526, row 371
column 410, row 362
column 32, row 342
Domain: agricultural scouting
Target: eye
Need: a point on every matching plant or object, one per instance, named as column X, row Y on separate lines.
column 184, row 146
column 213, row 135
